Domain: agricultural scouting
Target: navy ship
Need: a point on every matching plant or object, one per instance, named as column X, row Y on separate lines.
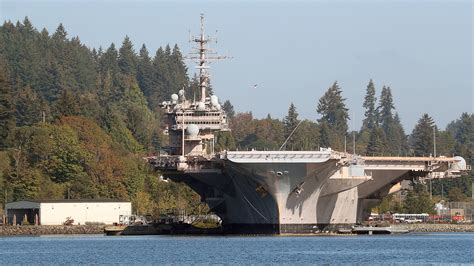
column 276, row 192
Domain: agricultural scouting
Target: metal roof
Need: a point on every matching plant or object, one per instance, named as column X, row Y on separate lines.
column 72, row 200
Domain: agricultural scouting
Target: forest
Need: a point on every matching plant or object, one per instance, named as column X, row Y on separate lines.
column 76, row 123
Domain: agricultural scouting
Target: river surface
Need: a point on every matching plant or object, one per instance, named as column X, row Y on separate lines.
column 436, row 248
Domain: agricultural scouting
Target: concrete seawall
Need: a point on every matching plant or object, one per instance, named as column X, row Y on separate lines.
column 50, row 230
column 425, row 228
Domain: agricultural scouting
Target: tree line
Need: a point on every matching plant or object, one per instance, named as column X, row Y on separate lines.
column 75, row 121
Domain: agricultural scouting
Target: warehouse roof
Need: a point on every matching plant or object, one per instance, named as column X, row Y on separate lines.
column 74, row 200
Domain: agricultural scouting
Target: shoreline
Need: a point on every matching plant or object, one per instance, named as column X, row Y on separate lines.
column 436, row 228
column 36, row 230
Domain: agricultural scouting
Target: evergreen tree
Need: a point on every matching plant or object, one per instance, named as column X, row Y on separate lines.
column 395, row 139
column 229, row 109
column 193, row 92
column 334, row 114
column 333, row 110
column 325, row 135
column 27, row 27
column 29, row 107
column 400, row 143
column 418, row 200
column 127, row 60
column 445, row 144
column 225, row 141
column 371, row 115
column 385, row 109
column 306, row 137
column 60, row 34
column 108, row 63
column 162, row 92
column 67, row 104
column 376, row 146
column 7, row 110
column 145, row 73
column 290, row 122
column 422, row 136
column 463, row 132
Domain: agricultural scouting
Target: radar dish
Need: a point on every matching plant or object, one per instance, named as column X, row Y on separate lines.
column 174, row 98
column 214, row 100
column 460, row 163
column 201, row 106
column 192, row 130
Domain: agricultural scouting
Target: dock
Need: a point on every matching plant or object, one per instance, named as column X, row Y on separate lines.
column 370, row 230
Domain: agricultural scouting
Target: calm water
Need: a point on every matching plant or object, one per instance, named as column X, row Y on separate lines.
column 422, row 248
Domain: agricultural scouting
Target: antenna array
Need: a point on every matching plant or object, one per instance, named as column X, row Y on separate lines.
column 203, row 56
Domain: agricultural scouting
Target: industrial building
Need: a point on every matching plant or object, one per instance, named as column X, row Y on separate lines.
column 57, row 212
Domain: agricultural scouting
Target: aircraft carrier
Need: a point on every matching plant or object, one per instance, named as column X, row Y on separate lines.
column 276, row 192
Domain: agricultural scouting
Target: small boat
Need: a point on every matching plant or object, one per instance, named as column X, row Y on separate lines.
column 371, row 230
column 114, row 230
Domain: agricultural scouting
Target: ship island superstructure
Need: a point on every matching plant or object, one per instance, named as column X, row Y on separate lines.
column 276, row 191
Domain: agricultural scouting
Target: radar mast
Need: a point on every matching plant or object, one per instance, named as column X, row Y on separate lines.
column 203, row 56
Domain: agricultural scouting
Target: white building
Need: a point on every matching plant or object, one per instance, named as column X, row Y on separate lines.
column 56, row 212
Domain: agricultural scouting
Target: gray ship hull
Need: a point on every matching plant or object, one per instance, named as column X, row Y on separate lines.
column 297, row 192
column 279, row 197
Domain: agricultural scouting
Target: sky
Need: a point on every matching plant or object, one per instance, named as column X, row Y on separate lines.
column 295, row 50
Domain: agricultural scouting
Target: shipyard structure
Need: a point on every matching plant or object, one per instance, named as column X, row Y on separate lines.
column 276, row 191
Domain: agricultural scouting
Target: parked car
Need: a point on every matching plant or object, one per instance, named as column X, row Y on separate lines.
column 413, row 220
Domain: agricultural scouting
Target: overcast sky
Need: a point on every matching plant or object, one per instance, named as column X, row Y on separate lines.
column 294, row 50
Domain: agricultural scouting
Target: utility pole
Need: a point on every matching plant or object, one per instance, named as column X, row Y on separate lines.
column 442, row 191
column 353, row 143
column 431, row 189
column 182, row 135
column 345, row 144
column 434, row 141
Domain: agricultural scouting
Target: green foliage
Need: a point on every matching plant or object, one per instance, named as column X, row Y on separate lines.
column 29, row 107
column 418, row 203
column 422, row 136
column 306, row 137
column 290, row 123
column 127, row 59
column 376, row 145
column 96, row 105
column 371, row 114
column 333, row 110
column 456, row 194
column 67, row 104
column 462, row 130
column 225, row 141
column 390, row 204
column 7, row 110
column 334, row 116
column 441, row 187
column 229, row 109
column 385, row 108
